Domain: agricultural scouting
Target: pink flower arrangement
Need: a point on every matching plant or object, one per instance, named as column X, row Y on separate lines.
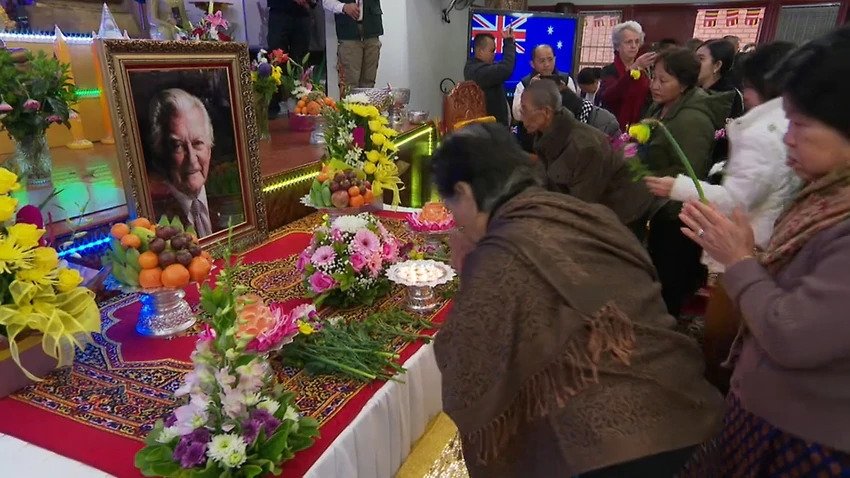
column 266, row 328
column 346, row 261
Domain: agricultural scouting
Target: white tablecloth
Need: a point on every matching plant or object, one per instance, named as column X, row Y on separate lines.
column 379, row 439
column 374, row 445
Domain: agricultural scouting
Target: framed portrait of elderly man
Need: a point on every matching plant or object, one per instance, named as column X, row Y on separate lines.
column 187, row 136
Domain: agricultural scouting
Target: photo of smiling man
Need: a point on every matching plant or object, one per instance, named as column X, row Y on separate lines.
column 188, row 141
column 182, row 142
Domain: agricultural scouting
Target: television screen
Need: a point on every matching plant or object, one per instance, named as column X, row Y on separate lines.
column 530, row 29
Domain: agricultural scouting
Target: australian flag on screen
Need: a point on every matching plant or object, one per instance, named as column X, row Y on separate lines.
column 530, row 30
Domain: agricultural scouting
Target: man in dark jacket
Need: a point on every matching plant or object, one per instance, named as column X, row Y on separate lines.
column 491, row 76
column 359, row 23
column 579, row 159
column 289, row 30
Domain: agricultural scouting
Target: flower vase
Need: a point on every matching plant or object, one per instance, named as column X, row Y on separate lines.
column 164, row 313
column 317, row 136
column 263, row 118
column 32, row 160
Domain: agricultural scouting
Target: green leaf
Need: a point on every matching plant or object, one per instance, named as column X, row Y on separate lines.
column 251, row 471
column 275, row 445
column 175, row 223
column 166, row 469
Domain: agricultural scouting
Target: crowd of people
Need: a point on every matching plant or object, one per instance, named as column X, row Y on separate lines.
column 561, row 356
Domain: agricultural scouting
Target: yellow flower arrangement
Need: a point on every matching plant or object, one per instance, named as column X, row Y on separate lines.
column 359, row 136
column 37, row 294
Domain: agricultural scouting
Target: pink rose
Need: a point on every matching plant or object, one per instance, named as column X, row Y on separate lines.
column 336, row 235
column 5, row 107
column 54, row 119
column 630, row 150
column 321, row 282
column 358, row 262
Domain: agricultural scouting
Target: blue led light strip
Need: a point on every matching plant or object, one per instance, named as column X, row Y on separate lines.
column 78, row 248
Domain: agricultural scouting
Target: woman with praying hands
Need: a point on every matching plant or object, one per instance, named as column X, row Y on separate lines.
column 788, row 409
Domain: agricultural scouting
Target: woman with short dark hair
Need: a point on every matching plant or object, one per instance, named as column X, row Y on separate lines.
column 788, row 405
column 558, row 357
column 756, row 180
column 692, row 116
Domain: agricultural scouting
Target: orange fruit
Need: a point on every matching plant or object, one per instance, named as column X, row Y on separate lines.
column 141, row 222
column 150, row 278
column 206, row 255
column 301, row 103
column 313, row 108
column 353, row 191
column 131, row 240
column 322, row 177
column 356, row 201
column 369, row 196
column 329, row 101
column 175, row 276
column 148, row 260
column 119, row 230
column 199, row 269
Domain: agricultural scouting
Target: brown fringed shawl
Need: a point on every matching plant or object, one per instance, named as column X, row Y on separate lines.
column 558, row 357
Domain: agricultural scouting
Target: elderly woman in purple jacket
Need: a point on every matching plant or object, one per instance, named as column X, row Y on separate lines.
column 789, row 403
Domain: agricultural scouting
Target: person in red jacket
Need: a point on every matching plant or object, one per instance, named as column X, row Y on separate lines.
column 623, row 93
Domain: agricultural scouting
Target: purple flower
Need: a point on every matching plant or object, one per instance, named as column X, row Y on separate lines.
column 359, row 136
column 323, row 256
column 5, row 107
column 366, row 242
column 270, row 423
column 250, row 431
column 358, row 262
column 32, row 105
column 200, row 435
column 336, row 235
column 630, row 150
column 721, row 133
column 196, row 455
column 54, row 119
column 170, row 420
column 192, row 448
column 303, row 260
column 321, row 282
column 264, row 70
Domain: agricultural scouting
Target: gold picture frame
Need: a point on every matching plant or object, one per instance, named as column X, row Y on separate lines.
column 186, row 133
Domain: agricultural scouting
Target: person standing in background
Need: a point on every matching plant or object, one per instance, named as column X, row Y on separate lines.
column 542, row 67
column 588, row 82
column 289, row 30
column 359, row 23
column 625, row 83
column 491, row 76
column 735, row 41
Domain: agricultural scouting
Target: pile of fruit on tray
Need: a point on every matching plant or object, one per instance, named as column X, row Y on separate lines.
column 313, row 103
column 152, row 256
column 340, row 189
